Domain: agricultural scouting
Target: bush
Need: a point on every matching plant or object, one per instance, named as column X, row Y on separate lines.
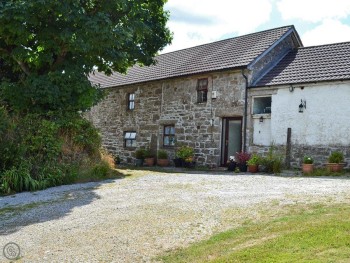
column 185, row 152
column 254, row 160
column 336, row 157
column 273, row 162
column 43, row 150
column 149, row 153
column 162, row 154
column 140, row 153
column 242, row 157
column 308, row 160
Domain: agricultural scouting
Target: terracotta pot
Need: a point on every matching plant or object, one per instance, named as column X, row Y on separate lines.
column 307, row 168
column 253, row 168
column 335, row 167
column 163, row 162
column 149, row 161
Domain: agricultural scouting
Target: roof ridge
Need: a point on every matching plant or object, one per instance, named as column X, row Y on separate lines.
column 226, row 39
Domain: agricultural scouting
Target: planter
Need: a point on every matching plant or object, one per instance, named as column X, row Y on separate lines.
column 253, row 168
column 163, row 162
column 178, row 162
column 231, row 166
column 189, row 164
column 242, row 167
column 335, row 167
column 307, row 168
column 149, row 161
column 139, row 162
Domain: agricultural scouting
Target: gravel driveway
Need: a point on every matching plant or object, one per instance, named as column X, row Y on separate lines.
column 136, row 218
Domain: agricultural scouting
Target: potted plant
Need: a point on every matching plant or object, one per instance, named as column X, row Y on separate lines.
column 335, row 162
column 253, row 164
column 140, row 156
column 242, row 158
column 182, row 154
column 308, row 165
column 149, row 157
column 116, row 159
column 189, row 162
column 162, row 159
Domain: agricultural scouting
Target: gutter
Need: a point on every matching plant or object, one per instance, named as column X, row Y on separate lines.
column 245, row 117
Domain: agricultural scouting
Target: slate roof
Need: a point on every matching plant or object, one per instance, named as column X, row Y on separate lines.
column 225, row 54
column 311, row 64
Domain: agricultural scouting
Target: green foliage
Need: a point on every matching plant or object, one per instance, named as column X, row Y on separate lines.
column 308, row 160
column 100, row 170
column 149, row 153
column 273, row 162
column 140, row 153
column 48, row 48
column 39, row 151
column 184, row 152
column 254, row 160
column 162, row 154
column 336, row 157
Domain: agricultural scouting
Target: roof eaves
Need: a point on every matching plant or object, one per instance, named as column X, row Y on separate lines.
column 298, row 83
column 177, row 76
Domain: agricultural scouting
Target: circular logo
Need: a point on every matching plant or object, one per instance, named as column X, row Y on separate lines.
column 11, row 251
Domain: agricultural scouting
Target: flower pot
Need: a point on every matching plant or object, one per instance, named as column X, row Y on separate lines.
column 149, row 161
column 307, row 168
column 242, row 167
column 231, row 166
column 163, row 162
column 189, row 164
column 335, row 167
column 178, row 162
column 253, row 168
column 139, row 162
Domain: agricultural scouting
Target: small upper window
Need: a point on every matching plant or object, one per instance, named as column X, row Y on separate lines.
column 130, row 139
column 202, row 90
column 169, row 135
column 131, row 101
column 262, row 105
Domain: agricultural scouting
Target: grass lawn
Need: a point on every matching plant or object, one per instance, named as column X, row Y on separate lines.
column 314, row 234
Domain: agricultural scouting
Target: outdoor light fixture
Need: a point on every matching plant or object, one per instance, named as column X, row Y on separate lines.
column 291, row 88
column 261, row 119
column 302, row 106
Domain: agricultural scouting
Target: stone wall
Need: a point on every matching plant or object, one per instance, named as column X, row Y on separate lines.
column 160, row 103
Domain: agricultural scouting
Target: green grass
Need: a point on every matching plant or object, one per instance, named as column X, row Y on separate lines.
column 316, row 234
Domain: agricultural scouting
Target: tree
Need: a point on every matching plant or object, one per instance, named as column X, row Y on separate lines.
column 50, row 47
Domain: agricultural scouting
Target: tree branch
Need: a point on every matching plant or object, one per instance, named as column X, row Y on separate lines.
column 23, row 66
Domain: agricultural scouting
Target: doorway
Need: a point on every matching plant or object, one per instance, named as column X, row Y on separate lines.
column 231, row 138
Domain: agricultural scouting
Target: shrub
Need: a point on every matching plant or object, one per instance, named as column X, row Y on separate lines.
column 273, row 162
column 254, row 160
column 336, row 157
column 242, row 157
column 185, row 152
column 162, row 154
column 140, row 153
column 149, row 153
column 308, row 160
column 100, row 170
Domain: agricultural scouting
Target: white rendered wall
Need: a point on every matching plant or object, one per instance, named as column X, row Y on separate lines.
column 325, row 121
column 262, row 132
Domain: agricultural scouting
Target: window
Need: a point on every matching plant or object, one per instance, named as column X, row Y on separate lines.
column 262, row 105
column 130, row 139
column 131, row 101
column 169, row 135
column 202, row 90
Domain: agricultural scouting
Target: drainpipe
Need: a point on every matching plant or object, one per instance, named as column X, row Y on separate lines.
column 245, row 112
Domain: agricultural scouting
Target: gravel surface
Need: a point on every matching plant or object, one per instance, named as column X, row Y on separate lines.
column 137, row 218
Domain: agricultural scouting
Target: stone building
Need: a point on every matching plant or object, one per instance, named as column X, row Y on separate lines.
column 218, row 98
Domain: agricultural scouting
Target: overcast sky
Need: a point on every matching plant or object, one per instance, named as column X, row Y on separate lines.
column 195, row 22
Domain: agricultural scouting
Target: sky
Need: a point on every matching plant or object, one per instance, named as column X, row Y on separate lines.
column 196, row 22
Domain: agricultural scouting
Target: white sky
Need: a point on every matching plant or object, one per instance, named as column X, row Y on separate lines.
column 195, row 22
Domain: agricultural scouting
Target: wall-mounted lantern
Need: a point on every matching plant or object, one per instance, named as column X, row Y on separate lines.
column 302, row 106
column 261, row 119
column 291, row 88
